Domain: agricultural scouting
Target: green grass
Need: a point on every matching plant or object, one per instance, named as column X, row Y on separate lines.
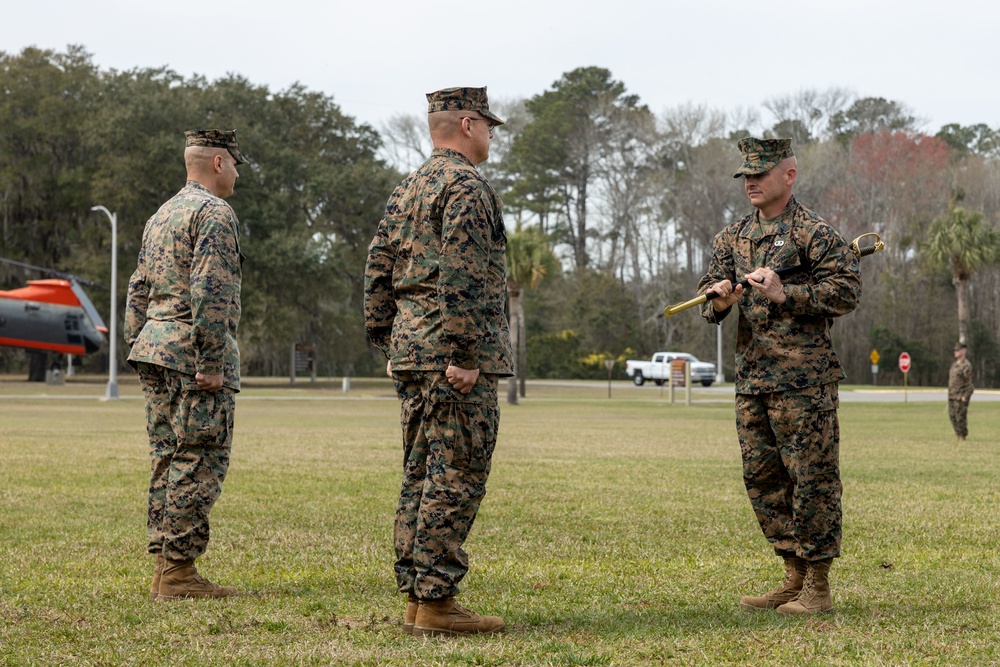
column 615, row 532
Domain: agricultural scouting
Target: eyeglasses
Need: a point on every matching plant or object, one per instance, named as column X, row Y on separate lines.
column 485, row 120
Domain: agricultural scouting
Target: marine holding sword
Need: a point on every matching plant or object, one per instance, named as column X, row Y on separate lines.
column 787, row 372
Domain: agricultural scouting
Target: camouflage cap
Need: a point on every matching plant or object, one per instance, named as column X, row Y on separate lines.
column 467, row 99
column 216, row 139
column 960, row 346
column 762, row 155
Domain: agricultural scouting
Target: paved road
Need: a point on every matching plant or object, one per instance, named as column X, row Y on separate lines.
column 620, row 388
column 725, row 392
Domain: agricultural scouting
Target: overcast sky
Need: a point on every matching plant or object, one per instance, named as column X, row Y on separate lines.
column 377, row 58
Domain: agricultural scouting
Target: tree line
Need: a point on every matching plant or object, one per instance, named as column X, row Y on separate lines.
column 73, row 136
column 630, row 201
column 611, row 209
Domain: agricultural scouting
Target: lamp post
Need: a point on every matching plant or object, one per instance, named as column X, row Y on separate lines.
column 112, row 391
column 720, row 377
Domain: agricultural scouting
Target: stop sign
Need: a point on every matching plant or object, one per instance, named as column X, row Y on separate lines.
column 904, row 362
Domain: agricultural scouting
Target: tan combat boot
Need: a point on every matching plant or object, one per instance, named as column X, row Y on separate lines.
column 410, row 617
column 180, row 579
column 154, row 590
column 815, row 596
column 795, row 572
column 446, row 617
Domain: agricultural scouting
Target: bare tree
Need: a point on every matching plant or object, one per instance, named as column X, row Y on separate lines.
column 692, row 124
column 705, row 194
column 406, row 141
column 744, row 121
column 809, row 111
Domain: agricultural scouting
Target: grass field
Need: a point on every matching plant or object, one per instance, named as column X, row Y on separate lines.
column 615, row 532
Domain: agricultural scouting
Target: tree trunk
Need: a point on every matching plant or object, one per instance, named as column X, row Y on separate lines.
column 522, row 345
column 962, row 286
column 581, row 225
column 516, row 310
column 512, row 390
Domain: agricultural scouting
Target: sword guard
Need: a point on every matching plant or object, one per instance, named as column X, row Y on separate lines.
column 875, row 247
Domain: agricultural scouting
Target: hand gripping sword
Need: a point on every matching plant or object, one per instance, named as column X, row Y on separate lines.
column 870, row 248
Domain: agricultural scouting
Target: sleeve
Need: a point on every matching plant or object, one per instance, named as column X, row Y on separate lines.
column 721, row 267
column 136, row 303
column 836, row 286
column 214, row 281
column 380, row 301
column 466, row 236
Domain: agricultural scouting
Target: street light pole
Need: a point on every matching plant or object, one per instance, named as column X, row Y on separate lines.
column 112, row 391
column 720, row 377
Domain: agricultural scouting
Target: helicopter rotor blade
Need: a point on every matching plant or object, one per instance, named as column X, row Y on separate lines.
column 52, row 272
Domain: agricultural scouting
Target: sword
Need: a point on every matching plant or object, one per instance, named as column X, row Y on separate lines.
column 859, row 251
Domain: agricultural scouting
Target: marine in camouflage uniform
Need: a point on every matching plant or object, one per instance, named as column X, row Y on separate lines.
column 182, row 312
column 959, row 392
column 435, row 287
column 787, row 372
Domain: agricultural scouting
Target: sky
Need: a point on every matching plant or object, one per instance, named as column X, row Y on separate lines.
column 377, row 58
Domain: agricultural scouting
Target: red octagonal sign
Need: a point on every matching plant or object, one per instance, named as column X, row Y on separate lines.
column 904, row 362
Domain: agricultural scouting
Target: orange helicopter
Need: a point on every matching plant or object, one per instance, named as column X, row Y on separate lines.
column 51, row 315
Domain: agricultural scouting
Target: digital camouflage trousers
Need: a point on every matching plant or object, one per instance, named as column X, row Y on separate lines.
column 958, row 413
column 790, row 444
column 448, row 443
column 190, row 437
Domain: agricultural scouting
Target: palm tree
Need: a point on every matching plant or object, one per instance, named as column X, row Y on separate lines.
column 529, row 260
column 961, row 242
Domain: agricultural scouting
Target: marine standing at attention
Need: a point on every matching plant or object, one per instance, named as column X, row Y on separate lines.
column 435, row 287
column 181, row 316
column 959, row 392
column 787, row 372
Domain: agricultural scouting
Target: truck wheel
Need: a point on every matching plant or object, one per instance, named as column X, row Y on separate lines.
column 659, row 383
column 706, row 383
column 637, row 379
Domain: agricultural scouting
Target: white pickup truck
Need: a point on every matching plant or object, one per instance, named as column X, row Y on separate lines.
column 657, row 369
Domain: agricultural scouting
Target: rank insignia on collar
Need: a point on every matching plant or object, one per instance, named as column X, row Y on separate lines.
column 779, row 243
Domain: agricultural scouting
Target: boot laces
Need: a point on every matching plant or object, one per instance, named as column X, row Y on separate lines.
column 786, row 585
column 807, row 584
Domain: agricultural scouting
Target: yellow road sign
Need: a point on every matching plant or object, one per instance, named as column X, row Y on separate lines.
column 874, row 356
